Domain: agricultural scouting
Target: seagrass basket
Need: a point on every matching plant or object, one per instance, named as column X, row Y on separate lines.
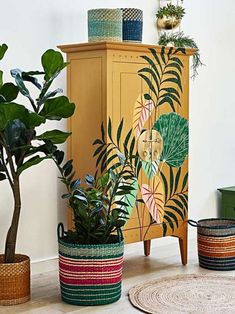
column 132, row 27
column 15, row 280
column 216, row 243
column 104, row 25
column 90, row 274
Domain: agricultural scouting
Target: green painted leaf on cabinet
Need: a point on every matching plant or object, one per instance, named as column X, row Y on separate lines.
column 174, row 131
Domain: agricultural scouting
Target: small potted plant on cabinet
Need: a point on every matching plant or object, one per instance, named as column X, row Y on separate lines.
column 23, row 146
column 91, row 256
column 169, row 16
column 179, row 39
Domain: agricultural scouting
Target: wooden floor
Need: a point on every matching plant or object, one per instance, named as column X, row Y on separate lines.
column 163, row 261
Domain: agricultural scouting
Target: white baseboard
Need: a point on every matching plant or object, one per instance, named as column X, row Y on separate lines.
column 43, row 266
column 51, row 264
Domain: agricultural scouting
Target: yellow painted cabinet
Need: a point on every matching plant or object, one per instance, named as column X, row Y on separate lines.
column 142, row 91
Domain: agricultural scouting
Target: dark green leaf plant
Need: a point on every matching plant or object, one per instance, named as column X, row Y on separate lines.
column 22, row 145
column 98, row 205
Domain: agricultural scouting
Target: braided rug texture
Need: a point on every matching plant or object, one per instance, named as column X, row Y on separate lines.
column 199, row 294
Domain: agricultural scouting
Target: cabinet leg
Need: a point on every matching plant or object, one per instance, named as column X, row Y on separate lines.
column 147, row 245
column 183, row 243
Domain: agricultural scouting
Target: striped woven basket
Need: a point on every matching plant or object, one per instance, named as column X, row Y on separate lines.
column 104, row 25
column 132, row 28
column 216, row 243
column 90, row 274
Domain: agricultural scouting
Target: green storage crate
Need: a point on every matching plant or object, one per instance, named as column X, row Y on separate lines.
column 227, row 202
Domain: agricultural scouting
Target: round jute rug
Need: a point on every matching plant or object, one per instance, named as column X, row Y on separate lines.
column 199, row 294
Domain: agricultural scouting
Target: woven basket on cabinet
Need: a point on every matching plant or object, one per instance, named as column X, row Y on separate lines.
column 90, row 274
column 104, row 25
column 132, row 24
column 216, row 243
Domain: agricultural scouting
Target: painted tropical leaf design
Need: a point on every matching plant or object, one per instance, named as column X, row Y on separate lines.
column 174, row 131
column 150, row 168
column 127, row 201
column 162, row 69
column 142, row 112
column 153, row 197
column 176, row 198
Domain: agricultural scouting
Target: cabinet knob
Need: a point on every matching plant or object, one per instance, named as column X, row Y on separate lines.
column 150, row 145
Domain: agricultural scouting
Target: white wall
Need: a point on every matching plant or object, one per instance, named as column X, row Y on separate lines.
column 30, row 27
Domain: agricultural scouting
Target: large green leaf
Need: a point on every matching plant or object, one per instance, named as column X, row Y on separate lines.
column 31, row 162
column 33, row 119
column 10, row 112
column 55, row 136
column 13, row 111
column 3, row 49
column 174, row 131
column 15, row 134
column 9, row 91
column 53, row 63
column 57, row 108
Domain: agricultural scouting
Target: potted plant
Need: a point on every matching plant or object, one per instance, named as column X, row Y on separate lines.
column 169, row 16
column 22, row 146
column 180, row 40
column 91, row 255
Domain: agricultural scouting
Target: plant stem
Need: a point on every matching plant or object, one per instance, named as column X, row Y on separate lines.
column 12, row 232
column 10, row 244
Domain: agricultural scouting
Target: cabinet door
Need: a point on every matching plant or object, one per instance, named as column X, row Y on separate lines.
column 86, row 90
column 155, row 106
column 228, row 206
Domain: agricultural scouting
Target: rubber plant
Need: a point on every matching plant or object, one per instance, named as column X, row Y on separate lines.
column 102, row 204
column 21, row 143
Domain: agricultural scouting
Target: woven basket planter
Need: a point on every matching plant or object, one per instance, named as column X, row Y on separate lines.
column 132, row 25
column 90, row 274
column 15, row 281
column 104, row 25
column 216, row 243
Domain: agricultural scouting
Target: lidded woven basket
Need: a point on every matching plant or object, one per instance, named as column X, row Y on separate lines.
column 15, row 280
column 132, row 27
column 104, row 25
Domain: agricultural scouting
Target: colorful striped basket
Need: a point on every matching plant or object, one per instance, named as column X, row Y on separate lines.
column 216, row 243
column 104, row 25
column 90, row 274
column 132, row 28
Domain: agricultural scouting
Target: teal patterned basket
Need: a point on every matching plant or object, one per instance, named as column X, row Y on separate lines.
column 104, row 25
column 132, row 24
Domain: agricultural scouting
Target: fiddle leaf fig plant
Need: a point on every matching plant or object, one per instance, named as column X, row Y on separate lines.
column 22, row 145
